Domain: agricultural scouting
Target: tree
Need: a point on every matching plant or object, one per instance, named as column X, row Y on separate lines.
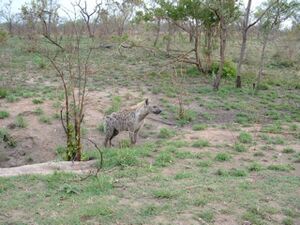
column 272, row 20
column 245, row 28
column 227, row 12
column 90, row 18
column 7, row 15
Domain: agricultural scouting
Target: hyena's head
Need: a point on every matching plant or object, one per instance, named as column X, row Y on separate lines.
column 151, row 108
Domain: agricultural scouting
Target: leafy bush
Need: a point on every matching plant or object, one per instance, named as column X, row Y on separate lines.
column 222, row 157
column 245, row 137
column 4, row 114
column 3, row 36
column 200, row 144
column 3, row 92
column 229, row 69
column 39, row 61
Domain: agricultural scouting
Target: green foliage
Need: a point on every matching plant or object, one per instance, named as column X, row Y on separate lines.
column 45, row 119
column 163, row 159
column 186, row 117
column 38, row 111
column 37, row 101
column 229, row 69
column 222, row 156
column 166, row 133
column 238, row 147
column 164, row 193
column 200, row 144
column 255, row 167
column 198, row 127
column 7, row 138
column 101, row 128
column 20, row 122
column 288, row 150
column 4, row 114
column 125, row 143
column 39, row 61
column 3, row 92
column 61, row 152
column 245, row 137
column 116, row 105
column 280, row 167
column 3, row 36
column 207, row 216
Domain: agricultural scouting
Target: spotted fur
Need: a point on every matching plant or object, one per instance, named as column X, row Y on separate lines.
column 131, row 120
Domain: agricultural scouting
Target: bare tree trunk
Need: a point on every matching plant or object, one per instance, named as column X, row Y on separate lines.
column 191, row 33
column 243, row 46
column 208, row 50
column 217, row 80
column 262, row 61
column 168, row 47
column 197, row 55
column 157, row 33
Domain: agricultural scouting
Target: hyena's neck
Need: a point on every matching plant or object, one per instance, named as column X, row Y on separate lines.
column 142, row 116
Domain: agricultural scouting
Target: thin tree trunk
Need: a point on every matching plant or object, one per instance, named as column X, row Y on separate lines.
column 243, row 46
column 197, row 55
column 169, row 37
column 262, row 61
column 217, row 80
column 157, row 33
column 242, row 54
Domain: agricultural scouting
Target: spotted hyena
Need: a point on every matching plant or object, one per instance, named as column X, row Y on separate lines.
column 131, row 120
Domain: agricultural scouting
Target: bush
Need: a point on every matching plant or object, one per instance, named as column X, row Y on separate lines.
column 4, row 114
column 222, row 157
column 3, row 92
column 200, row 144
column 229, row 69
column 3, row 36
column 245, row 137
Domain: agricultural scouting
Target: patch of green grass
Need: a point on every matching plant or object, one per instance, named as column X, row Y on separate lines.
column 163, row 159
column 280, row 167
column 296, row 158
column 205, row 163
column 287, row 221
column 254, row 216
column 187, row 117
column 37, row 101
column 164, row 193
column 258, row 154
column 20, row 122
column 200, row 143
column 255, row 166
column 3, row 92
column 38, row 111
column 207, row 216
column 101, row 128
column 11, row 98
column 273, row 128
column 199, row 126
column 237, row 173
column 245, row 137
column 238, row 147
column 222, row 156
column 150, row 210
column 288, row 150
column 4, row 114
column 276, row 140
column 183, row 175
column 45, row 119
column 116, row 105
column 166, row 133
column 125, row 143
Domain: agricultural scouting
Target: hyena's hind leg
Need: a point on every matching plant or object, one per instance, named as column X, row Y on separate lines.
column 133, row 136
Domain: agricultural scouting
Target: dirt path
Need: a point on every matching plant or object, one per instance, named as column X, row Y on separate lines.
column 49, row 168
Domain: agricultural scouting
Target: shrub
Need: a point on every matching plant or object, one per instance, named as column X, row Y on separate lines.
column 3, row 36
column 222, row 157
column 288, row 150
column 238, row 147
column 20, row 122
column 198, row 127
column 4, row 114
column 116, row 105
column 200, row 144
column 3, row 92
column 37, row 101
column 163, row 159
column 245, row 137
column 40, row 62
column 229, row 69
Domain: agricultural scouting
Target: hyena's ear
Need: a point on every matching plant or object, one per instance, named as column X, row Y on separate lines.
column 147, row 101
